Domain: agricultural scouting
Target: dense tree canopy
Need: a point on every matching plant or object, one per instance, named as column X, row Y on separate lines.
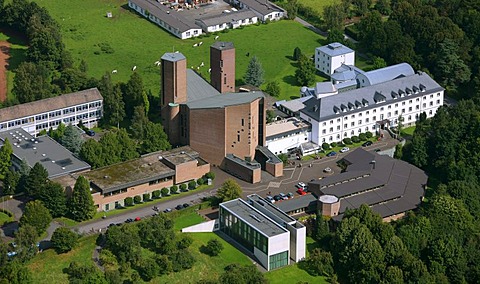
column 229, row 190
column 254, row 74
column 80, row 205
column 6, row 152
column 37, row 216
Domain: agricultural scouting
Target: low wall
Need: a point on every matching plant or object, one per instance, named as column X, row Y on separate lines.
column 204, row 227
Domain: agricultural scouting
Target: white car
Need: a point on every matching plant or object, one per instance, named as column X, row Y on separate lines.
column 344, row 149
column 327, row 170
column 301, row 185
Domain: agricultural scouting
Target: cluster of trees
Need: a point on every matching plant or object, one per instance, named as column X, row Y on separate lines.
column 440, row 37
column 305, row 73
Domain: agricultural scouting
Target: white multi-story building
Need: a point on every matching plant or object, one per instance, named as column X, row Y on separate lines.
column 367, row 109
column 264, row 230
column 332, row 56
column 85, row 106
column 287, row 135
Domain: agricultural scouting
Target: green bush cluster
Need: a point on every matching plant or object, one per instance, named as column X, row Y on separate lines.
column 347, row 141
column 326, row 146
column 355, row 139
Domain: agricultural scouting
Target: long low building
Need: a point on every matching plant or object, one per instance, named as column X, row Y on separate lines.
column 112, row 184
column 389, row 186
column 85, row 106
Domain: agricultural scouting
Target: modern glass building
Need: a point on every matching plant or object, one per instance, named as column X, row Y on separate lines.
column 268, row 240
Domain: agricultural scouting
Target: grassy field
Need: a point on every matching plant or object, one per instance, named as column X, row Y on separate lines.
column 408, row 131
column 138, row 42
column 189, row 219
column 4, row 218
column 47, row 267
column 318, row 5
column 17, row 55
column 293, row 274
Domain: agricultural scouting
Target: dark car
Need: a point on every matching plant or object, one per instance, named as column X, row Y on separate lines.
column 129, row 220
column 90, row 132
column 179, row 207
column 185, row 205
column 331, row 154
column 277, row 197
column 366, row 144
column 167, row 210
column 377, row 150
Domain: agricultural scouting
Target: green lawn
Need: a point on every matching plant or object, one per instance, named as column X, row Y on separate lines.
column 139, row 42
column 17, row 55
column 47, row 267
column 188, row 219
column 318, row 5
column 293, row 274
column 408, row 131
column 4, row 218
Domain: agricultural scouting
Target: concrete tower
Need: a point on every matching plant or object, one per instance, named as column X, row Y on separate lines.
column 222, row 64
column 174, row 93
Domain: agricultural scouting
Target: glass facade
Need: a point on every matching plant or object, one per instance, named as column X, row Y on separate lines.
column 278, row 260
column 242, row 232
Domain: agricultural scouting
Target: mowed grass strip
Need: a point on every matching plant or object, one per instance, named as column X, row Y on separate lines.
column 292, row 274
column 135, row 41
column 47, row 267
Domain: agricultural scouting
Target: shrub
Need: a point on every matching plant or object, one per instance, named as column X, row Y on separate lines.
column 164, row 191
column 200, row 181
column 64, row 240
column 210, row 175
column 173, row 189
column 156, row 194
column 146, row 197
column 369, row 134
column 362, row 137
column 333, row 144
column 192, row 185
column 326, row 146
column 214, row 247
column 355, row 139
column 347, row 141
column 128, row 201
column 183, row 187
column 137, row 199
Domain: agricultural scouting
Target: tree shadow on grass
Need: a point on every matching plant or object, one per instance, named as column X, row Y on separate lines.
column 290, row 79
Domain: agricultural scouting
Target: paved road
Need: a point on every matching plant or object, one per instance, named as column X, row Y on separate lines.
column 101, row 224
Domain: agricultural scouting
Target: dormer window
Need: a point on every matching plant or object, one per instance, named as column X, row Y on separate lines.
column 415, row 89
column 401, row 93
column 394, row 95
column 422, row 88
column 408, row 91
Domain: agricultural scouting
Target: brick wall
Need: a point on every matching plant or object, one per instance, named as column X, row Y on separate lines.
column 275, row 170
column 190, row 171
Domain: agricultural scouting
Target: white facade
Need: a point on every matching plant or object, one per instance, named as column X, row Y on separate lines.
column 354, row 122
column 330, row 57
column 88, row 112
column 226, row 25
column 285, row 135
column 288, row 142
column 265, row 10
column 170, row 23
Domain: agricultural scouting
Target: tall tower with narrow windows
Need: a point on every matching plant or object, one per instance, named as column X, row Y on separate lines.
column 222, row 64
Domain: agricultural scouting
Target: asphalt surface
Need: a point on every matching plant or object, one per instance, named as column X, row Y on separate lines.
column 100, row 225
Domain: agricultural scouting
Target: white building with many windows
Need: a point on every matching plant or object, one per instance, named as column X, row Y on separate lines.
column 287, row 135
column 366, row 109
column 85, row 106
column 332, row 56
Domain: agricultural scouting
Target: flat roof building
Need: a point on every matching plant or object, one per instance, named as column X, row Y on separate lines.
column 55, row 158
column 268, row 233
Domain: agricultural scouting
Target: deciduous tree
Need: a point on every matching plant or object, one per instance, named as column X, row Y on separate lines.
column 333, row 16
column 64, row 239
column 305, row 73
column 54, row 198
column 6, row 152
column 229, row 190
column 36, row 215
column 273, row 88
column 72, row 139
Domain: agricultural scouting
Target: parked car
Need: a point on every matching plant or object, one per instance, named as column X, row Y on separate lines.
column 283, row 196
column 331, row 154
column 377, row 150
column 185, row 205
column 269, row 198
column 301, row 192
column 277, row 197
column 301, row 185
column 366, row 144
column 129, row 220
column 290, row 195
column 179, row 207
column 167, row 210
column 344, row 149
column 327, row 170
column 90, row 132
column 138, row 218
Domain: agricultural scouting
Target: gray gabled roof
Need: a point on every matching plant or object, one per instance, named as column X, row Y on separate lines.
column 262, row 6
column 389, row 73
column 224, row 100
column 169, row 16
column 334, row 49
column 198, row 88
column 173, row 56
column 370, row 96
column 227, row 18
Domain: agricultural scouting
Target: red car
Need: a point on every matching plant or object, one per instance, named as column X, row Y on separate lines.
column 301, row 192
column 138, row 219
